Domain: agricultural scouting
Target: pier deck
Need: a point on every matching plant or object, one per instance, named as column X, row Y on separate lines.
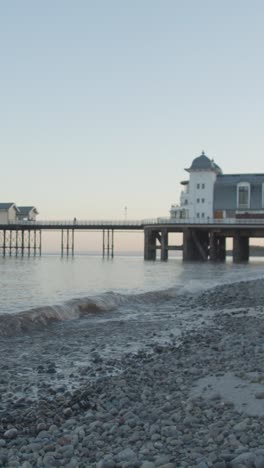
column 201, row 240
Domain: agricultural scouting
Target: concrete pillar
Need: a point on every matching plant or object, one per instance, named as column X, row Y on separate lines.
column 240, row 248
column 149, row 244
column 188, row 246
column 217, row 248
column 164, row 245
column 195, row 245
column 222, row 249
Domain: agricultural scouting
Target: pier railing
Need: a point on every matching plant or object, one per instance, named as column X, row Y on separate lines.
column 140, row 224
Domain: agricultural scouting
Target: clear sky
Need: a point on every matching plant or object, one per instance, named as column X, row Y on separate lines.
column 103, row 103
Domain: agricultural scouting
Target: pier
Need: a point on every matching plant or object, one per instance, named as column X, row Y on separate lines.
column 201, row 241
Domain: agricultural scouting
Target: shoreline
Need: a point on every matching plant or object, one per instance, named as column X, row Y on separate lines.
column 151, row 414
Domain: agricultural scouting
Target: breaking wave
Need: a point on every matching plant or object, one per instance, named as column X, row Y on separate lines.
column 40, row 317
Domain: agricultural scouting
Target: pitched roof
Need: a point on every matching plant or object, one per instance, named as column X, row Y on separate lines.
column 6, row 206
column 25, row 210
column 233, row 179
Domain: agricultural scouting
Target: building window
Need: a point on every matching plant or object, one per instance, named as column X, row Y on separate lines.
column 198, row 200
column 198, row 215
column 243, row 195
column 198, row 186
column 203, row 186
column 202, row 215
column 202, row 200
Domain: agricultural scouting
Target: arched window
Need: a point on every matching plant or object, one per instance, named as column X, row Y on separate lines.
column 243, row 195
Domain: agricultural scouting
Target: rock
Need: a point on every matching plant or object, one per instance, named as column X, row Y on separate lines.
column 247, row 459
column 11, row 433
column 241, row 426
column 106, row 464
column 168, row 465
column 202, row 464
column 147, row 464
column 67, row 412
column 126, row 455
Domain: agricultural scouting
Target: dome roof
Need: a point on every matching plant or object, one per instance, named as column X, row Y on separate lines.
column 203, row 163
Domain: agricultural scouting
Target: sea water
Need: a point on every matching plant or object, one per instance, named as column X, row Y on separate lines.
column 70, row 312
column 66, row 288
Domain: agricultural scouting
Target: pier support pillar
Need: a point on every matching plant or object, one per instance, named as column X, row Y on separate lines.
column 188, row 245
column 149, row 244
column 195, row 245
column 164, row 245
column 108, row 243
column 217, row 248
column 240, row 248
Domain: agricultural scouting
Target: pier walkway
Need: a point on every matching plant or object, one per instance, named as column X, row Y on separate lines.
column 202, row 239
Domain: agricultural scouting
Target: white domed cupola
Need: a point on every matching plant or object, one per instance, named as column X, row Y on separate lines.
column 203, row 163
column 203, row 173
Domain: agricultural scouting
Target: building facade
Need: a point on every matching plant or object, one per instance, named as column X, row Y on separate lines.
column 27, row 213
column 10, row 213
column 210, row 194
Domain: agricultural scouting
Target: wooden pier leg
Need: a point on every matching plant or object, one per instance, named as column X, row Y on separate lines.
column 67, row 242
column 103, row 242
column 35, row 243
column 112, row 247
column 62, row 245
column 4, row 243
column 16, row 242
column 72, row 249
column 108, row 242
column 10, row 243
column 29, row 234
column 22, row 242
column 40, row 242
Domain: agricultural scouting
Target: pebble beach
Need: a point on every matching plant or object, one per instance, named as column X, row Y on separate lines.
column 169, row 399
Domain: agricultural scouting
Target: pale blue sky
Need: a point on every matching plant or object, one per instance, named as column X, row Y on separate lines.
column 103, row 103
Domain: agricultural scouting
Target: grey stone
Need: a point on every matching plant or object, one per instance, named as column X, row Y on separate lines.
column 259, row 463
column 168, row 465
column 247, row 459
column 202, row 464
column 106, row 464
column 26, row 464
column 11, row 433
column 126, row 455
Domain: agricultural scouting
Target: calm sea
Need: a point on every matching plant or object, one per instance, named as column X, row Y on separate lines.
column 63, row 310
column 28, row 282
